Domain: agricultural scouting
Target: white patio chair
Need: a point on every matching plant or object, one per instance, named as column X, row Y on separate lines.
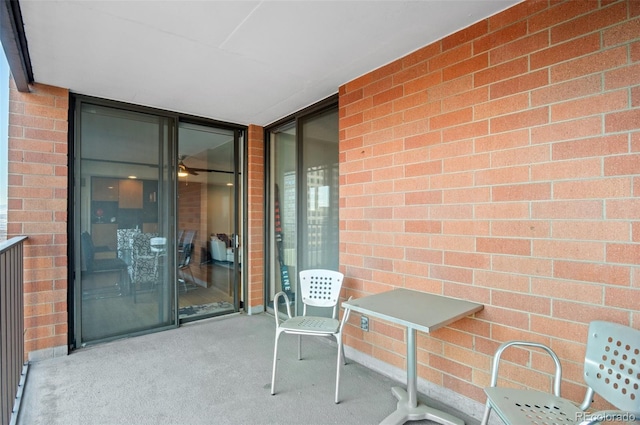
column 611, row 369
column 319, row 288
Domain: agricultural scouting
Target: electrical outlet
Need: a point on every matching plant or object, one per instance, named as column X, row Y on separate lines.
column 364, row 323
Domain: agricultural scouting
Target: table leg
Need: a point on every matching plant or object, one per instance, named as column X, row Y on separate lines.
column 408, row 408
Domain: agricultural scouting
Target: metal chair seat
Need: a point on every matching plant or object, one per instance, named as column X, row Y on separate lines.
column 310, row 325
column 515, row 406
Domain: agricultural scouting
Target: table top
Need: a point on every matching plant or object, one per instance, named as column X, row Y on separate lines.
column 419, row 310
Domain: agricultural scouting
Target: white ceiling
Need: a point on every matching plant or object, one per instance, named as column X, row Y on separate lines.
column 243, row 62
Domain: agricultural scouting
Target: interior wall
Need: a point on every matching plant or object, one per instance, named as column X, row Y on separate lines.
column 499, row 165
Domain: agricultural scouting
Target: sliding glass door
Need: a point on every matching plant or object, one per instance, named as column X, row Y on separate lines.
column 156, row 213
column 123, row 212
column 209, row 251
column 303, row 183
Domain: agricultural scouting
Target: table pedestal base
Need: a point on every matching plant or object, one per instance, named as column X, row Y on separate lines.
column 404, row 412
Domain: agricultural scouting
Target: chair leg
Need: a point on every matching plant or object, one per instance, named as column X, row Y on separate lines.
column 339, row 366
column 299, row 347
column 487, row 412
column 275, row 362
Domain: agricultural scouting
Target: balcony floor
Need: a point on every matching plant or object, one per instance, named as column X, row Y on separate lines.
column 215, row 371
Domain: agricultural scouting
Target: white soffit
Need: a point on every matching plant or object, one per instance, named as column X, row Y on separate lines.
column 244, row 62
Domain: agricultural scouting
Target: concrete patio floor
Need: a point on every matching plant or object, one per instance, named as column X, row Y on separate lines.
column 215, row 371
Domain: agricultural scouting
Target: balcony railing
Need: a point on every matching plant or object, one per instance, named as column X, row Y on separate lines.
column 13, row 368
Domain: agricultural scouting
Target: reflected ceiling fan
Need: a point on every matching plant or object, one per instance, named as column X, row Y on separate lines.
column 184, row 170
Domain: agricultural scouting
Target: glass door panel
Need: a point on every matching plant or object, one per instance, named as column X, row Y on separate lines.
column 319, row 225
column 303, row 218
column 123, row 191
column 283, row 214
column 209, row 258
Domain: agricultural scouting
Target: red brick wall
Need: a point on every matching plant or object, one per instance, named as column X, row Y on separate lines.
column 37, row 192
column 500, row 165
column 255, row 215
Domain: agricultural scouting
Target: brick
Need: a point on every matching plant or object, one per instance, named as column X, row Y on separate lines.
column 464, row 35
column 635, row 52
column 469, row 162
column 521, row 192
column 590, row 272
column 622, row 298
column 518, row 156
column 451, row 88
column 520, row 11
column 622, row 77
column 623, row 209
column 568, row 130
column 590, row 64
column 500, row 37
column 622, row 121
column 449, row 57
column 410, row 73
column 521, row 302
column 622, row 165
column 502, row 141
column 559, row 13
column 562, row 289
column 519, row 48
column 571, row 89
column 592, row 189
column 465, row 131
column 635, row 97
column 501, row 106
column 422, row 54
column 504, row 246
column 621, row 33
column 466, row 67
column 569, row 250
column 500, row 72
column 451, row 118
column 466, row 99
column 526, row 265
column 591, row 147
column 507, row 210
column 587, row 312
column 580, row 169
column 423, row 83
column 565, row 51
column 590, row 22
column 591, row 231
column 519, row 84
column 422, row 111
column 625, row 253
column 603, row 103
column 467, row 195
column 521, row 228
column 498, row 176
column 524, row 119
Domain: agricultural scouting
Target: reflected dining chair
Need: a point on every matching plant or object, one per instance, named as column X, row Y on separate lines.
column 611, row 370
column 319, row 288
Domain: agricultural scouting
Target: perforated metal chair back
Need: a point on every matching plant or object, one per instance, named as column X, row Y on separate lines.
column 320, row 288
column 612, row 364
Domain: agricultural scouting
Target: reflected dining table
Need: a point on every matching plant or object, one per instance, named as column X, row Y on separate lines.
column 416, row 311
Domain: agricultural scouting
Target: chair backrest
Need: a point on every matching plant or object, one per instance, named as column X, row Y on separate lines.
column 320, row 288
column 612, row 364
column 142, row 243
column 158, row 244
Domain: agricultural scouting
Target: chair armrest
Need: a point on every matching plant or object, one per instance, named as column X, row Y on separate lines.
column 275, row 306
column 601, row 416
column 345, row 316
column 496, row 362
